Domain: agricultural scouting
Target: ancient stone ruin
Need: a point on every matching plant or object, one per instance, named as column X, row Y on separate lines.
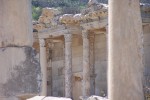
column 102, row 53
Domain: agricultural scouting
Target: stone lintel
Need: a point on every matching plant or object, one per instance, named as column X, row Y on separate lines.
column 57, row 33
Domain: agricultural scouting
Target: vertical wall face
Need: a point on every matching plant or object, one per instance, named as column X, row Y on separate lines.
column 19, row 69
column 15, row 28
column 125, row 51
column 58, row 70
column 101, row 65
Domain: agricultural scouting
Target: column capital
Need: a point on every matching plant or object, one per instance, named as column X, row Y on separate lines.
column 42, row 42
column 68, row 65
column 85, row 34
column 92, row 38
column 50, row 43
column 68, row 37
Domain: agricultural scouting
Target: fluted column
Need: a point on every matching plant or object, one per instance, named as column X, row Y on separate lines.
column 125, row 71
column 68, row 65
column 43, row 63
column 92, row 65
column 86, row 65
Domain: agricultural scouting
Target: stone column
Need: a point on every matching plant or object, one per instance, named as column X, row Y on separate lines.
column 43, row 63
column 86, row 65
column 68, row 65
column 92, row 63
column 16, row 26
column 49, row 72
column 19, row 69
column 125, row 51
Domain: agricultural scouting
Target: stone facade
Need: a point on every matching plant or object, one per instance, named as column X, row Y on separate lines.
column 73, row 52
column 93, row 22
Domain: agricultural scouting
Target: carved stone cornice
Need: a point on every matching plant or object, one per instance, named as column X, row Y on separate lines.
column 68, row 38
column 42, row 42
column 70, row 18
column 66, row 18
column 94, row 25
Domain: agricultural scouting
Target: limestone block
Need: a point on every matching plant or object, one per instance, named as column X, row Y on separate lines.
column 16, row 23
column 44, row 19
column 48, row 98
column 20, row 72
column 49, row 17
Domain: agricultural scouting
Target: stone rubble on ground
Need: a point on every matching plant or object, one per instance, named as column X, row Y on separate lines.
column 97, row 98
column 48, row 98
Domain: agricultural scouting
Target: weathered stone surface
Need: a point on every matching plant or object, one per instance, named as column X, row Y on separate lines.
column 125, row 59
column 39, row 27
column 86, row 65
column 44, row 65
column 67, row 18
column 93, row 19
column 92, row 64
column 20, row 72
column 68, row 65
column 49, row 17
column 15, row 27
